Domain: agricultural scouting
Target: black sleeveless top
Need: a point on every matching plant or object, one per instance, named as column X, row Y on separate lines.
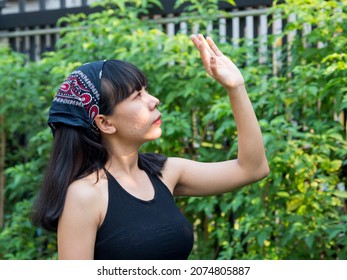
column 134, row 229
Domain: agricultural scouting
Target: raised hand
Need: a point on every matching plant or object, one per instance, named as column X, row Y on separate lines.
column 217, row 65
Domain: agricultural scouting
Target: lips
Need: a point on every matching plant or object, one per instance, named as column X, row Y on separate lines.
column 158, row 120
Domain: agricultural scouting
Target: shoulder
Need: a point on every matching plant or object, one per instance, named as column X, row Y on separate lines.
column 87, row 197
column 172, row 171
column 153, row 163
column 87, row 189
column 176, row 164
column 84, row 208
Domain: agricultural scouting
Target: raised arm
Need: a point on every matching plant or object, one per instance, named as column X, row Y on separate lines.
column 194, row 178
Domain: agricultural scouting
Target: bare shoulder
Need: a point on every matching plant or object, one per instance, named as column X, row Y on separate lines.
column 87, row 197
column 172, row 171
column 84, row 209
column 87, row 189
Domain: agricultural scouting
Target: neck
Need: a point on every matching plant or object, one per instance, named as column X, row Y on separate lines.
column 123, row 161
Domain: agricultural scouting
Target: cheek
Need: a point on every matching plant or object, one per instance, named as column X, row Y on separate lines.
column 138, row 125
column 134, row 122
column 138, row 119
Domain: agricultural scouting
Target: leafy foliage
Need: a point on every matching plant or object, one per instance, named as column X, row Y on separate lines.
column 298, row 212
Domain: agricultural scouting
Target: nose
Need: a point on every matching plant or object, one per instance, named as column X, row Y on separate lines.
column 154, row 102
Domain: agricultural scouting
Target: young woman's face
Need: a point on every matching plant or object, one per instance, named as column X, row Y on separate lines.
column 137, row 118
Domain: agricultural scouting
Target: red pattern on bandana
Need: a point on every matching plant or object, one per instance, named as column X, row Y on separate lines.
column 79, row 95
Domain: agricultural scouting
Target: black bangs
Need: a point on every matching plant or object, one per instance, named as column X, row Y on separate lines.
column 119, row 80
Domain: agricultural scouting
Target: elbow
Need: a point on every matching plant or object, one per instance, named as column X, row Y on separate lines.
column 260, row 172
column 263, row 171
column 257, row 171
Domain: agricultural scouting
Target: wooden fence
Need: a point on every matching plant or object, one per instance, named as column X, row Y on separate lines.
column 31, row 27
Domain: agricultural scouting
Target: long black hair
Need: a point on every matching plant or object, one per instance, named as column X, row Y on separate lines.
column 77, row 152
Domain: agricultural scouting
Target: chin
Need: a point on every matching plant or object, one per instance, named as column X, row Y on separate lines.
column 154, row 136
column 157, row 135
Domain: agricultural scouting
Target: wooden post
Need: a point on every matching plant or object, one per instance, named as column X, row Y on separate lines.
column 2, row 170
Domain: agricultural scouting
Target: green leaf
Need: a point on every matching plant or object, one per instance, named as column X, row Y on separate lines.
column 334, row 233
column 309, row 241
column 340, row 194
column 283, row 194
column 262, row 237
column 294, row 204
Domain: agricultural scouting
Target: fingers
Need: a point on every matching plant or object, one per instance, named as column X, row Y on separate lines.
column 205, row 44
column 213, row 47
column 208, row 44
column 202, row 45
column 195, row 40
column 208, row 52
column 203, row 48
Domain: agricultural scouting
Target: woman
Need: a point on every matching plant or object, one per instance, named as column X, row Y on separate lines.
column 106, row 200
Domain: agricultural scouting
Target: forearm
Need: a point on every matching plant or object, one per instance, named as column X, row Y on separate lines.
column 251, row 152
column 251, row 160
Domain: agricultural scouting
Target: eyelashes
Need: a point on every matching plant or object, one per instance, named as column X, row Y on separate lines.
column 141, row 92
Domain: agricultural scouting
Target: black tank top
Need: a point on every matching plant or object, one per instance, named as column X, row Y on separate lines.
column 134, row 229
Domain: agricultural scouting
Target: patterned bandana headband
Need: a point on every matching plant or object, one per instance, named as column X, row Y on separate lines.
column 77, row 101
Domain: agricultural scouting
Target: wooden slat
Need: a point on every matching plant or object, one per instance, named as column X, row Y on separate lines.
column 236, row 31
column 222, row 30
column 21, row 6
column 31, row 19
column 42, row 5
column 263, row 38
column 276, row 54
column 62, row 4
column 170, row 27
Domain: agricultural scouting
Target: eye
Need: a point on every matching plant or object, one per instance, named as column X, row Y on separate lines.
column 137, row 94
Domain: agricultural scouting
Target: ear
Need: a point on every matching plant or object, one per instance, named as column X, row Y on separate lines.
column 104, row 124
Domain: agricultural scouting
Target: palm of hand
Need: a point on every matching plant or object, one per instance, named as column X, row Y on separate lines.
column 226, row 73
column 217, row 65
